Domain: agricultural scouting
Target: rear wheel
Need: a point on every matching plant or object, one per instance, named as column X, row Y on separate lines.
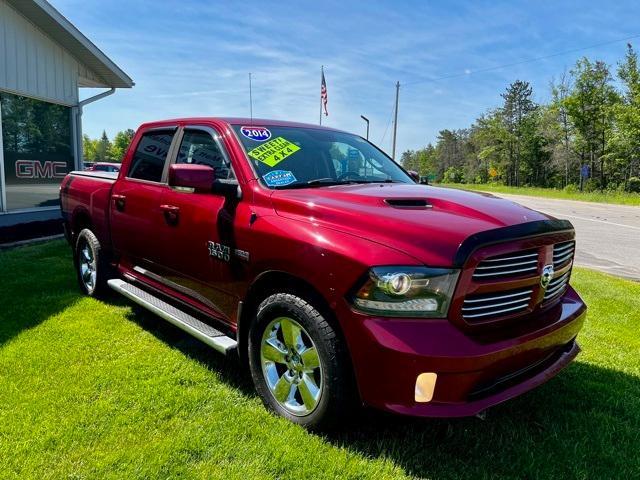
column 299, row 364
column 91, row 268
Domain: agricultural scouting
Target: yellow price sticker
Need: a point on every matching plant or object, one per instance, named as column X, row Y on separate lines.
column 274, row 151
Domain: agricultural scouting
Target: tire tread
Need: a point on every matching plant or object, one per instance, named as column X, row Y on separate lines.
column 341, row 388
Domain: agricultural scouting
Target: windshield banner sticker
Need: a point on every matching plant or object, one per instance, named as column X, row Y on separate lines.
column 274, row 151
column 259, row 134
column 279, row 178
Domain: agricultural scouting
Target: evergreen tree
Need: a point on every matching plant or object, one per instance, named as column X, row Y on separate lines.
column 104, row 148
column 517, row 109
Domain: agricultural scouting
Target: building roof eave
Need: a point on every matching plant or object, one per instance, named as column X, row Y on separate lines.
column 55, row 25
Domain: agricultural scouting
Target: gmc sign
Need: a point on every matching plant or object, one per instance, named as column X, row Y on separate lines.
column 38, row 169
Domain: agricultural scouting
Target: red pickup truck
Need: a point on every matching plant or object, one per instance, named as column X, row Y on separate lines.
column 333, row 275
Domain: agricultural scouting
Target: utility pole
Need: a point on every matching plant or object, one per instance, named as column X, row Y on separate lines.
column 395, row 121
column 250, row 100
column 366, row 120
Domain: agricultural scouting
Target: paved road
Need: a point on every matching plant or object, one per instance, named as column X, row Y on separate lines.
column 608, row 236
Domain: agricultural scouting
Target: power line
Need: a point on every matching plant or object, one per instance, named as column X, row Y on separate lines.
column 388, row 123
column 520, row 62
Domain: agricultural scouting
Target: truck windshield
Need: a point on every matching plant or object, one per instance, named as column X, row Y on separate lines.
column 293, row 157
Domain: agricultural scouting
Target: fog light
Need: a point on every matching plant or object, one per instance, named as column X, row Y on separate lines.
column 425, row 385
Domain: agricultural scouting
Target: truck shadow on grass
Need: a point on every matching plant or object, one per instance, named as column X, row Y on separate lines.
column 585, row 423
column 34, row 285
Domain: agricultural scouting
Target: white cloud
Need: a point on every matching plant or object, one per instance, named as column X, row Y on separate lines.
column 193, row 58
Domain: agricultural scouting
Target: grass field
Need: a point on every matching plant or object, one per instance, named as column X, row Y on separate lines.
column 619, row 198
column 94, row 389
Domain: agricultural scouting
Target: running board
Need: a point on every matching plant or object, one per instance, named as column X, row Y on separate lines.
column 194, row 327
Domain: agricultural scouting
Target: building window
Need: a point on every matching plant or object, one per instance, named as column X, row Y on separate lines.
column 38, row 153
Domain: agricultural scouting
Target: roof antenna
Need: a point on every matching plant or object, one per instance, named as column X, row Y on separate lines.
column 250, row 100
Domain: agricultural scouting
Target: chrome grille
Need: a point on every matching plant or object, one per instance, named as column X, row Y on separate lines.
column 563, row 254
column 557, row 286
column 507, row 265
column 496, row 304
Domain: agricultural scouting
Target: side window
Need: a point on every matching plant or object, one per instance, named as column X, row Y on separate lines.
column 150, row 155
column 199, row 147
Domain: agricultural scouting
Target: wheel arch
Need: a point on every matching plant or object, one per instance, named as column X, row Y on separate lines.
column 79, row 220
column 278, row 281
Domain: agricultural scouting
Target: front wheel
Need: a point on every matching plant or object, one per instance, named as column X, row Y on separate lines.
column 299, row 364
column 91, row 267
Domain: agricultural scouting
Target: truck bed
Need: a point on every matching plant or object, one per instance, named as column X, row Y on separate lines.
column 84, row 199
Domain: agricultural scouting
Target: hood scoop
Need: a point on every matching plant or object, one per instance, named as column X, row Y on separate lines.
column 414, row 203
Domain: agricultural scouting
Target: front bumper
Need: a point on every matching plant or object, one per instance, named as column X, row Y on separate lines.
column 473, row 372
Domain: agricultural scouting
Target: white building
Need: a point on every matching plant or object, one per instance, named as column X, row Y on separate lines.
column 44, row 61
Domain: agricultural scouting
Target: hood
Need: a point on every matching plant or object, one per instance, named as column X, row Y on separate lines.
column 428, row 223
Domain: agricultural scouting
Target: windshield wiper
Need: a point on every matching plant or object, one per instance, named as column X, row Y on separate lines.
column 386, row 180
column 316, row 182
column 329, row 182
column 324, row 181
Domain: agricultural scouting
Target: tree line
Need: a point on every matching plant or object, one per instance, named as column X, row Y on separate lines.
column 588, row 134
column 104, row 150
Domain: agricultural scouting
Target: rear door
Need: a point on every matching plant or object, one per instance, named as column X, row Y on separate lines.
column 136, row 217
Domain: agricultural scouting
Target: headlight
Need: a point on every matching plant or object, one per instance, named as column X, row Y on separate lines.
column 407, row 291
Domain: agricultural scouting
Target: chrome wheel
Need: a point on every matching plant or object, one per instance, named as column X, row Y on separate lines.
column 88, row 267
column 291, row 366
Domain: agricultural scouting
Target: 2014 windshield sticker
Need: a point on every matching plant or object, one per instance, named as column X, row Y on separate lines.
column 279, row 178
column 259, row 134
column 274, row 151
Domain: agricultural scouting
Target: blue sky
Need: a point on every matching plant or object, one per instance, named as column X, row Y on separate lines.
column 192, row 58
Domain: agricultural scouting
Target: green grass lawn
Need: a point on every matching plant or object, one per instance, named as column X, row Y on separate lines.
column 619, row 198
column 96, row 389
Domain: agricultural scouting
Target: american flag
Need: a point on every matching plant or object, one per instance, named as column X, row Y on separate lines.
column 323, row 94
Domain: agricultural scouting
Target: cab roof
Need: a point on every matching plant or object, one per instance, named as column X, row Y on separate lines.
column 235, row 121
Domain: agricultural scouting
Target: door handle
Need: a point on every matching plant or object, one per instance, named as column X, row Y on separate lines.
column 170, row 213
column 119, row 201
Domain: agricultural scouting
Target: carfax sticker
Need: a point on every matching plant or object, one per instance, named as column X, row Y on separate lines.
column 279, row 178
column 274, row 151
column 259, row 134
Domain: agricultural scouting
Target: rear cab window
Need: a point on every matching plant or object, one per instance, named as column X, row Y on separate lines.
column 150, row 156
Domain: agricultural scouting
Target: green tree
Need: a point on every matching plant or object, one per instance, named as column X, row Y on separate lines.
column 103, row 149
column 450, row 151
column 589, row 120
column 517, row 109
column 591, row 109
column 625, row 141
column 422, row 161
column 120, row 144
column 492, row 143
column 558, row 130
column 409, row 160
column 89, row 148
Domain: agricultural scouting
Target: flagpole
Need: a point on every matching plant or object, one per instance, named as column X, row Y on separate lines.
column 321, row 75
column 250, row 100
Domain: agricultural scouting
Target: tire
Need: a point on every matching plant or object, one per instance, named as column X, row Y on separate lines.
column 92, row 269
column 283, row 364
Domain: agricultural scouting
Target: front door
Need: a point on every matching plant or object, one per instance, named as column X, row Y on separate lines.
column 199, row 228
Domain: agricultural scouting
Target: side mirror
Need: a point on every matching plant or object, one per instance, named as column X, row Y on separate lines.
column 424, row 180
column 198, row 177
column 414, row 175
